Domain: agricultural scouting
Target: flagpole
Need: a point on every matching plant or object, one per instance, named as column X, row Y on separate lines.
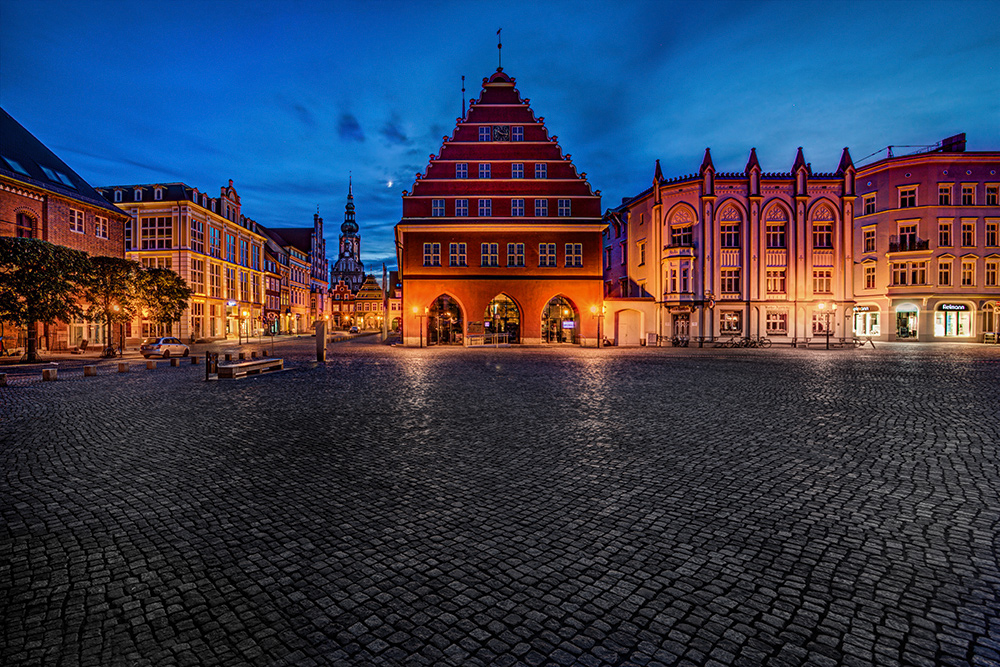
column 499, row 51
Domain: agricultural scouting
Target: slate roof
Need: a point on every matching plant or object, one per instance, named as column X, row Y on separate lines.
column 28, row 160
column 297, row 237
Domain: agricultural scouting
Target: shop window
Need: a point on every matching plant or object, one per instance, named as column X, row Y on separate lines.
column 953, row 320
column 730, row 322
column 776, row 322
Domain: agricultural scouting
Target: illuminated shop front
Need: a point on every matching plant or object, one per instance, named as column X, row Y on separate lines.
column 953, row 320
column 907, row 320
column 866, row 321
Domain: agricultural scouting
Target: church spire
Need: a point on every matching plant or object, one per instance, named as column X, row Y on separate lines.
column 350, row 227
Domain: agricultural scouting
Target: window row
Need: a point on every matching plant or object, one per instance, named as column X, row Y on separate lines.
column 501, row 133
column 907, row 196
column 564, row 208
column 775, row 235
column 907, row 238
column 489, row 255
column 916, row 273
column 486, row 170
column 26, row 226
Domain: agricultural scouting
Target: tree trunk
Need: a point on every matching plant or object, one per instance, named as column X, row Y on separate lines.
column 32, row 356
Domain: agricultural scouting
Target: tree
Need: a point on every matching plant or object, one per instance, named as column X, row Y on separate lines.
column 39, row 283
column 162, row 294
column 112, row 292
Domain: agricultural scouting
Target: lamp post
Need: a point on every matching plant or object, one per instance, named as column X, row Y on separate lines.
column 598, row 315
column 826, row 314
column 420, row 319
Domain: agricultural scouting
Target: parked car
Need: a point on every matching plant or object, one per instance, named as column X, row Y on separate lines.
column 163, row 347
column 354, row 330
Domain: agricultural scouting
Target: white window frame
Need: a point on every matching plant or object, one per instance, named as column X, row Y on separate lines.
column 515, row 254
column 869, row 275
column 76, row 222
column 869, row 234
column 776, row 322
column 461, row 170
column 517, row 133
column 565, row 208
column 944, row 276
column 968, row 273
column 457, row 255
column 945, row 238
column 490, row 254
column 517, row 208
column 869, row 203
column 432, row 254
column 969, row 189
column 437, row 208
column 485, row 133
column 517, row 170
column 541, row 170
column 547, row 255
column 944, row 194
column 100, row 227
column 907, row 194
column 541, row 208
column 485, row 208
column 574, row 255
column 485, row 169
column 461, row 208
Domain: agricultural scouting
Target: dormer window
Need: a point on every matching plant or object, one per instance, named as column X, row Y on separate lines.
column 118, row 196
column 204, row 201
column 138, row 194
column 213, row 206
column 158, row 194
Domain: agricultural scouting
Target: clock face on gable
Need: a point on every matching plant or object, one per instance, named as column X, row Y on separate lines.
column 501, row 133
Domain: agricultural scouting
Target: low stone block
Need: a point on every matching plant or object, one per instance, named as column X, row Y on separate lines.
column 50, row 374
column 150, row 365
column 3, row 379
column 123, row 366
column 195, row 360
column 175, row 362
column 89, row 371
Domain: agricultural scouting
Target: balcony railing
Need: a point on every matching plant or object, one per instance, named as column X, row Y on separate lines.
column 907, row 244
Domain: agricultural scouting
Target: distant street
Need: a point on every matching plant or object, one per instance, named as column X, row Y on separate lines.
column 507, row 507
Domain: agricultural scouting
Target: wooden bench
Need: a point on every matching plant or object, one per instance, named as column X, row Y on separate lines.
column 255, row 367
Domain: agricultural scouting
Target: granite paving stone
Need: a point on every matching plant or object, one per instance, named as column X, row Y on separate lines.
column 533, row 506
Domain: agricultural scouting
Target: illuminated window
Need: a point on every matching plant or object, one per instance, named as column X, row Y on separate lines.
column 515, row 254
column 432, row 254
column 776, row 322
column 776, row 281
column 100, row 227
column 908, row 197
column 822, row 281
column 461, row 207
column 197, row 235
column 214, row 242
column 462, row 170
column 517, row 207
column 155, row 233
column 231, row 248
column 730, row 322
column 517, row 170
column 76, row 221
column 490, row 253
column 541, row 208
column 457, row 254
column 574, row 254
column 541, row 170
column 437, row 208
column 546, row 254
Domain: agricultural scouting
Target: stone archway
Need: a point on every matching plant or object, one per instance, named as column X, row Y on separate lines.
column 560, row 321
column 445, row 322
column 502, row 318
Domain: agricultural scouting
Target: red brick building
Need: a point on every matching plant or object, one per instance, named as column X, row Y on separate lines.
column 42, row 198
column 500, row 238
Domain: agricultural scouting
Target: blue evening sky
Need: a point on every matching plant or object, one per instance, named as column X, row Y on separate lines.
column 286, row 98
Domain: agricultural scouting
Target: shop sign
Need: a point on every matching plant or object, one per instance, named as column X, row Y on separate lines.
column 862, row 309
column 568, row 324
column 953, row 306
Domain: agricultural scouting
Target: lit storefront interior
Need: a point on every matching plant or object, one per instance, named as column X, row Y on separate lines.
column 953, row 320
column 502, row 319
column 866, row 321
column 560, row 321
column 907, row 320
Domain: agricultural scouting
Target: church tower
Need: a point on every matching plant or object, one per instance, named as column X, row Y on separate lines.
column 348, row 267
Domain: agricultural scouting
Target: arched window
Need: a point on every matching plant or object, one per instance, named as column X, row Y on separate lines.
column 25, row 226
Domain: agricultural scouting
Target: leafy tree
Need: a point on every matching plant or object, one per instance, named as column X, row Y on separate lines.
column 162, row 294
column 112, row 292
column 39, row 283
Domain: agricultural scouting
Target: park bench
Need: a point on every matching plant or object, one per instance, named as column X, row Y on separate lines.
column 251, row 367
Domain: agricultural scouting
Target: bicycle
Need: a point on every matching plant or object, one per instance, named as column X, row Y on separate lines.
column 762, row 342
column 861, row 342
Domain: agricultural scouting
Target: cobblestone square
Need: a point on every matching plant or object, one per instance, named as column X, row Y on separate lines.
column 508, row 507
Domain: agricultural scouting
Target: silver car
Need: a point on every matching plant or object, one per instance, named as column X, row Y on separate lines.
column 163, row 347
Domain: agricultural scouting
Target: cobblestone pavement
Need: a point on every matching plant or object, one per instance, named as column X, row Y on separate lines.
column 510, row 507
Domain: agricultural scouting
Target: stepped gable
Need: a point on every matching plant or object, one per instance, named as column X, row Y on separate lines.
column 501, row 109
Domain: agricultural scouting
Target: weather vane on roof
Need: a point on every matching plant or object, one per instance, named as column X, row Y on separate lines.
column 499, row 52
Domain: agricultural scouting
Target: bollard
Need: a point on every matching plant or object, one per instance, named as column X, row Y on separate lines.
column 50, row 374
column 89, row 371
column 229, row 357
column 150, row 365
column 3, row 379
column 175, row 362
column 321, row 341
column 123, row 367
column 195, row 360
column 208, row 364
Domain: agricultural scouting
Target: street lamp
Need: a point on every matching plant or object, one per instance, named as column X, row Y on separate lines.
column 598, row 315
column 826, row 314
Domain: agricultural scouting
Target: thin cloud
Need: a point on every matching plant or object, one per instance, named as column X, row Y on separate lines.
column 350, row 129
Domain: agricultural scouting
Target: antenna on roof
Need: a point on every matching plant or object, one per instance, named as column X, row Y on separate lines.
column 462, row 115
column 499, row 52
